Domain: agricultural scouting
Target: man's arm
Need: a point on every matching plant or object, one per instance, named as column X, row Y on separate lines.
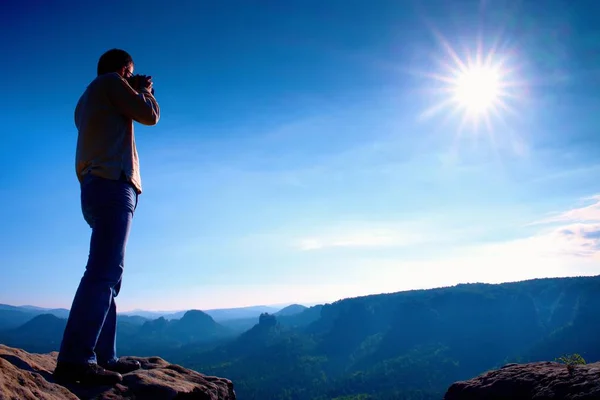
column 139, row 106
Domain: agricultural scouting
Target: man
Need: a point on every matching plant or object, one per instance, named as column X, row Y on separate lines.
column 107, row 168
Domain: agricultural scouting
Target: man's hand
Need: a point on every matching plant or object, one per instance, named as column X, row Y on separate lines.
column 139, row 82
column 128, row 100
column 146, row 82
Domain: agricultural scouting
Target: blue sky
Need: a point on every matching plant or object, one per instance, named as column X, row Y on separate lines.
column 295, row 160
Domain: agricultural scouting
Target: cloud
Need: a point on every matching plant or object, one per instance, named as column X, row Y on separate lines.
column 570, row 248
column 589, row 213
column 573, row 250
column 580, row 240
column 373, row 237
column 373, row 234
column 576, row 232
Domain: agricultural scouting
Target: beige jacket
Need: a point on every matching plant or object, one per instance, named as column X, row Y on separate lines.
column 104, row 118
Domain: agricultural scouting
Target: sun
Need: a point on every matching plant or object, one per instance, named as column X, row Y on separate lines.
column 478, row 89
column 478, row 86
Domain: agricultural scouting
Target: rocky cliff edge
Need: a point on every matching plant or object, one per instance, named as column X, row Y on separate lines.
column 26, row 376
column 539, row 380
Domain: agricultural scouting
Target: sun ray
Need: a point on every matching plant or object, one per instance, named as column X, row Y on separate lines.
column 436, row 108
column 479, row 86
column 439, row 77
column 490, row 129
column 451, row 52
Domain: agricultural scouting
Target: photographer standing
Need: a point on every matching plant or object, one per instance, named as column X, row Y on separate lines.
column 107, row 168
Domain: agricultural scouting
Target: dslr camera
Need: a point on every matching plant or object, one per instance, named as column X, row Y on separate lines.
column 135, row 82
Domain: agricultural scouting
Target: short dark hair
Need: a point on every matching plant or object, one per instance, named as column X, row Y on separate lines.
column 113, row 60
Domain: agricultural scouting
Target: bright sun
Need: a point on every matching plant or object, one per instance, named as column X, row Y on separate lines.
column 477, row 89
column 475, row 86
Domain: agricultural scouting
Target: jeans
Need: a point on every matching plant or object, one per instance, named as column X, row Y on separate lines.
column 90, row 335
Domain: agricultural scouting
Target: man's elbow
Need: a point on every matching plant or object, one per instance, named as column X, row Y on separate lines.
column 150, row 119
column 151, row 113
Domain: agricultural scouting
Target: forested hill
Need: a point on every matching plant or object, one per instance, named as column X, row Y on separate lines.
column 410, row 345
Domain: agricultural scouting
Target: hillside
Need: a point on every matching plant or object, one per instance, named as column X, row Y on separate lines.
column 136, row 335
column 218, row 314
column 411, row 345
column 42, row 334
column 292, row 309
column 292, row 316
column 12, row 316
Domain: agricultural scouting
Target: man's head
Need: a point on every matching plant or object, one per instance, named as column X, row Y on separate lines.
column 116, row 60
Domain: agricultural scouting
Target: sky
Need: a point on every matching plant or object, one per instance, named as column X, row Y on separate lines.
column 308, row 151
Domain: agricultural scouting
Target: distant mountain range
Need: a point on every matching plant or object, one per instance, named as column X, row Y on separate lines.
column 14, row 316
column 221, row 314
column 407, row 345
column 40, row 329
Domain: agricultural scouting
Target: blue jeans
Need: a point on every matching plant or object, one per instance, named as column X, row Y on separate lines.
column 90, row 336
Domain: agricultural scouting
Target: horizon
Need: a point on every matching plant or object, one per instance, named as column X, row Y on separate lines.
column 309, row 153
column 307, row 305
column 282, row 305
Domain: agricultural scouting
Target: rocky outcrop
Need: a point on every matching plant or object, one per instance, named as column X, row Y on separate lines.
column 26, row 376
column 539, row 381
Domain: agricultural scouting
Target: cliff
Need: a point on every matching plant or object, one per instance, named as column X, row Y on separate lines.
column 27, row 376
column 539, row 380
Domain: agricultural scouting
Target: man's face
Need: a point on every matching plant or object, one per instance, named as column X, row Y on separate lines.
column 127, row 71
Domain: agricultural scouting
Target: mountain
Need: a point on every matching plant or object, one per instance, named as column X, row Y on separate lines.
column 164, row 337
column 135, row 335
column 292, row 316
column 291, row 310
column 274, row 358
column 253, row 341
column 41, row 334
column 28, row 307
column 150, row 315
column 59, row 312
column 574, row 324
column 134, row 320
column 412, row 344
column 13, row 316
column 218, row 314
column 226, row 314
column 303, row 318
column 196, row 326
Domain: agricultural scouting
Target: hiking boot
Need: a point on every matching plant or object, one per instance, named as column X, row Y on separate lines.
column 122, row 366
column 86, row 374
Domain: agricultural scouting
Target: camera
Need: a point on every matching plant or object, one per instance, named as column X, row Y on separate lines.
column 135, row 82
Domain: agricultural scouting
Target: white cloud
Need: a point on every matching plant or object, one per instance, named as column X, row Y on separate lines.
column 581, row 240
column 370, row 237
column 372, row 234
column 576, row 232
column 568, row 249
column 589, row 213
column 548, row 255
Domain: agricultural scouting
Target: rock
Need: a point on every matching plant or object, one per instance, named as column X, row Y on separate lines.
column 539, row 381
column 26, row 376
